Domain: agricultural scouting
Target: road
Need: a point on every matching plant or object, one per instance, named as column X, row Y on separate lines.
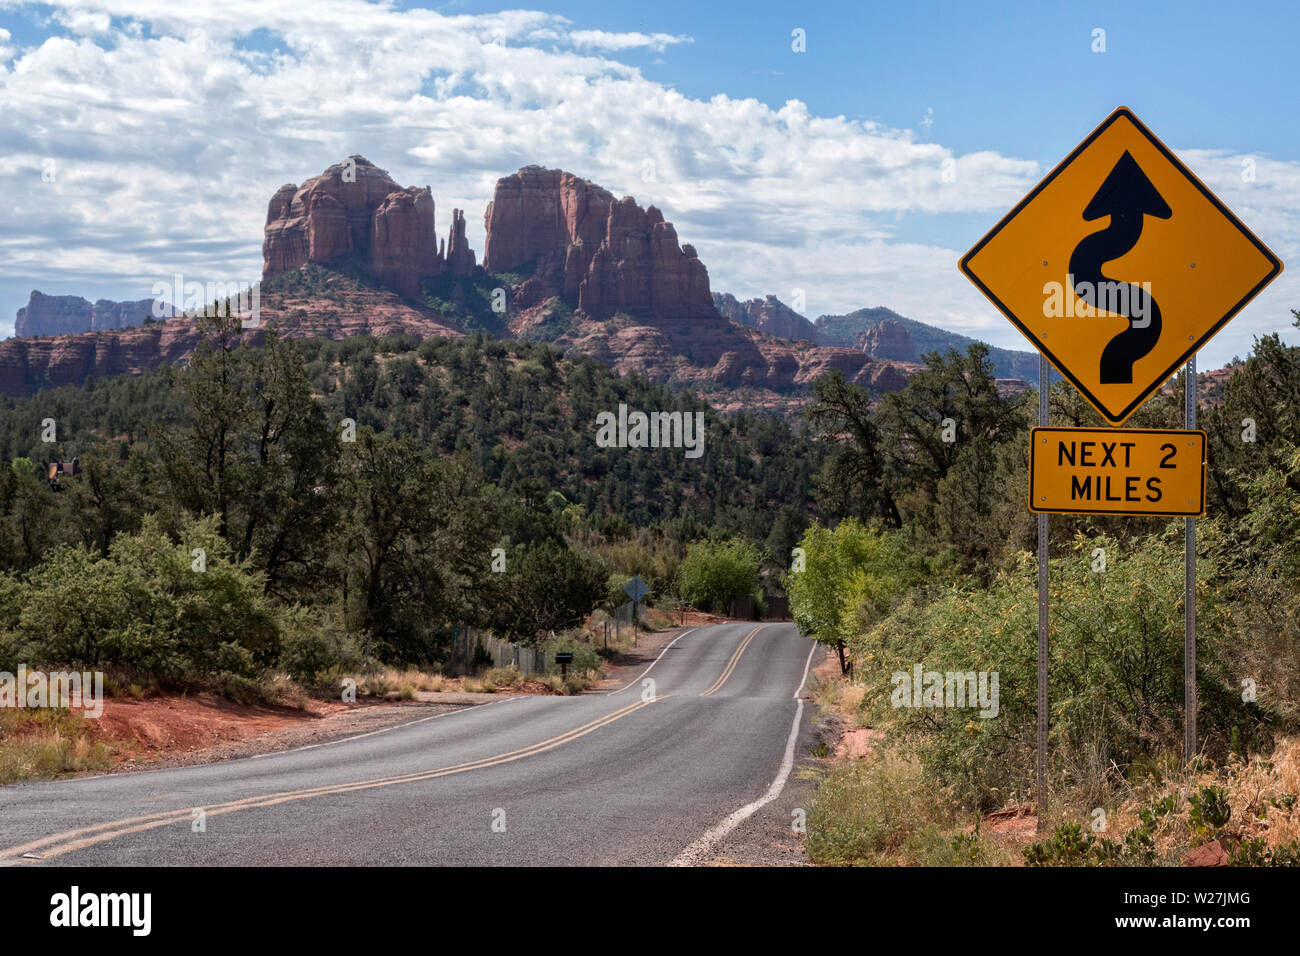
column 643, row 775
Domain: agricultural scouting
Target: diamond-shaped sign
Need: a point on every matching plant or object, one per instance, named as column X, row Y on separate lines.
column 636, row 589
column 1120, row 265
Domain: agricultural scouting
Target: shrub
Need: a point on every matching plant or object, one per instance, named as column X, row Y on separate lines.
column 1116, row 668
column 313, row 642
column 714, row 573
column 585, row 656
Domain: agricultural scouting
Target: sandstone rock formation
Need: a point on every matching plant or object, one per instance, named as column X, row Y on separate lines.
column 355, row 209
column 68, row 314
column 768, row 314
column 460, row 257
column 611, row 276
column 568, row 237
column 344, row 310
column 887, row 340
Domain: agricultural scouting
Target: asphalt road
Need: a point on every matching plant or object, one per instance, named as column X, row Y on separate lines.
column 643, row 775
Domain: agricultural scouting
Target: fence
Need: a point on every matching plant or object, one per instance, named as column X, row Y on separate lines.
column 473, row 648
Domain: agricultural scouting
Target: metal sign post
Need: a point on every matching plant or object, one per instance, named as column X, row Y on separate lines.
column 1040, row 786
column 1189, row 587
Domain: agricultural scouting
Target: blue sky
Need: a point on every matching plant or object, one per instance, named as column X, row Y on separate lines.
column 813, row 171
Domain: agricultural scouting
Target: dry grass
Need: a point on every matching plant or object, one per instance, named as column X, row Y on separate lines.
column 838, row 694
column 1263, row 794
column 881, row 810
column 40, row 744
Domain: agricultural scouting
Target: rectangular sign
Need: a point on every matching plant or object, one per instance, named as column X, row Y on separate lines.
column 1128, row 471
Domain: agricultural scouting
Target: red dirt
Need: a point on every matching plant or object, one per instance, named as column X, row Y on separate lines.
column 167, row 726
column 1018, row 824
column 856, row 744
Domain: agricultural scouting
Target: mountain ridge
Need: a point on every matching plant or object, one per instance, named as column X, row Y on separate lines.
column 351, row 252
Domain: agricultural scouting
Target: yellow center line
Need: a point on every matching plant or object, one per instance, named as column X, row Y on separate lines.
column 731, row 664
column 79, row 839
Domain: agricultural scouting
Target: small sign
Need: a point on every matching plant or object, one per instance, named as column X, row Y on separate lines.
column 1120, row 265
column 636, row 589
column 1117, row 471
column 564, row 657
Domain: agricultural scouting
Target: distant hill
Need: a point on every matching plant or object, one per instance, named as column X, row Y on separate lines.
column 851, row 331
column 351, row 252
column 769, row 315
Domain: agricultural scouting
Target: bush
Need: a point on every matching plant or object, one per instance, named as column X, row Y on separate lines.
column 313, row 643
column 864, row 812
column 1116, row 668
column 585, row 656
column 146, row 606
column 714, row 573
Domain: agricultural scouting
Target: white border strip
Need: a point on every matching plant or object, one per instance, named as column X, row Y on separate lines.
column 692, row 855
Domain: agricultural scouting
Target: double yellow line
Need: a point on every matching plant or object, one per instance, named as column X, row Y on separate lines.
column 72, row 840
column 731, row 664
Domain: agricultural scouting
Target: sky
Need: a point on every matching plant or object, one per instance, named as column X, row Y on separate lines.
column 800, row 147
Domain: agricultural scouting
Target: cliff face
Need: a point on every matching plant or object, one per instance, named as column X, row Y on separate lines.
column 355, row 209
column 572, row 239
column 67, row 314
column 340, row 311
column 887, row 340
column 769, row 315
column 626, row 291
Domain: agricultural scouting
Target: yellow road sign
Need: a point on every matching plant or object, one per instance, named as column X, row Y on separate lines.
column 1117, row 471
column 1120, row 265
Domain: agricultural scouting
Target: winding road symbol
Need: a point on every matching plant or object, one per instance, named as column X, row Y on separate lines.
column 1078, row 263
column 1127, row 197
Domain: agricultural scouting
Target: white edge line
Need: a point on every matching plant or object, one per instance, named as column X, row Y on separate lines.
column 693, row 853
column 636, row 680
column 798, row 691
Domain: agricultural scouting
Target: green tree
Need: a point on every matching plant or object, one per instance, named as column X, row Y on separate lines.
column 547, row 587
column 851, row 578
column 944, row 408
column 257, row 453
column 415, row 549
column 857, row 479
column 715, row 573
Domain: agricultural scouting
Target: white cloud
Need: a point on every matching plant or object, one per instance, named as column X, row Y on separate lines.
column 83, row 21
column 603, row 40
column 172, row 129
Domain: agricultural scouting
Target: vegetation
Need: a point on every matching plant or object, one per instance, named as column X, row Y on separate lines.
column 924, row 563
column 846, row 579
column 715, row 573
column 316, row 507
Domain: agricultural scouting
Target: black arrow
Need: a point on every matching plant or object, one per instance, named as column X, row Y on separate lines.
column 1126, row 196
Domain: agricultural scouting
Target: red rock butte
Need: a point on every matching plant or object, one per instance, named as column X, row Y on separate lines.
column 600, row 254
column 552, row 237
column 355, row 209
